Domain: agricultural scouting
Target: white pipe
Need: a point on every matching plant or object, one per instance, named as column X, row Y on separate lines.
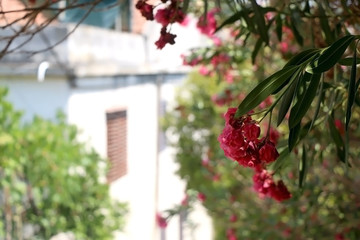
column 43, row 66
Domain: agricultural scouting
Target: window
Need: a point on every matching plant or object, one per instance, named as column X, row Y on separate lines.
column 116, row 122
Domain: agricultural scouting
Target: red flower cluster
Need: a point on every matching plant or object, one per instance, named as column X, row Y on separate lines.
column 145, row 9
column 265, row 185
column 165, row 38
column 171, row 13
column 240, row 142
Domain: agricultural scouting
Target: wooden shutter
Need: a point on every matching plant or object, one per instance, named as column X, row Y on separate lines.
column 116, row 144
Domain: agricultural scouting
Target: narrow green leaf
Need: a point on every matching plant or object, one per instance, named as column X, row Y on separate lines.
column 348, row 61
column 279, row 27
column 332, row 54
column 281, row 160
column 351, row 92
column 318, row 104
column 294, row 20
column 297, row 60
column 302, row 106
column 302, row 167
column 233, row 18
column 287, row 100
column 302, row 57
column 293, row 136
column 255, row 52
column 338, row 140
column 264, row 89
column 260, row 22
column 324, row 23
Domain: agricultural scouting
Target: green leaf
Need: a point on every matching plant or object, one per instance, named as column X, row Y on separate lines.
column 264, row 89
column 256, row 50
column 324, row 23
column 348, row 61
column 351, row 92
column 302, row 167
column 293, row 25
column 235, row 17
column 279, row 27
column 318, row 104
column 332, row 54
column 287, row 100
column 302, row 57
column 338, row 140
column 260, row 22
column 301, row 107
column 293, row 136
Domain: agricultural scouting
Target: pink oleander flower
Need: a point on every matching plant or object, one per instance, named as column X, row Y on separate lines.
column 218, row 59
column 274, row 135
column 165, row 38
column 280, row 192
column 161, row 221
column 340, row 126
column 145, row 9
column 238, row 139
column 264, row 184
column 201, row 197
column 268, row 152
column 207, row 26
column 185, row 201
column 204, row 71
column 169, row 15
column 233, row 218
column 230, row 234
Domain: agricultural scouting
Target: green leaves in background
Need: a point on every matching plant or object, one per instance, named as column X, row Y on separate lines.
column 260, row 22
column 352, row 89
column 337, row 138
column 302, row 166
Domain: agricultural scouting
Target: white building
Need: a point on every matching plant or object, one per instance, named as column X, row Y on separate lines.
column 114, row 86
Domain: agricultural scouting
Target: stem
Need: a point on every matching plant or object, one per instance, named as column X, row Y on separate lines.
column 269, row 126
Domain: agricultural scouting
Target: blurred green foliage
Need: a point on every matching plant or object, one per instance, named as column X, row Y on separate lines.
column 326, row 206
column 51, row 183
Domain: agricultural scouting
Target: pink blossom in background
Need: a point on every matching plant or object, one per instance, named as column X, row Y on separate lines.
column 185, row 201
column 205, row 162
column 204, row 71
column 161, row 221
column 340, row 126
column 231, row 234
column 201, row 197
column 207, row 26
column 233, row 218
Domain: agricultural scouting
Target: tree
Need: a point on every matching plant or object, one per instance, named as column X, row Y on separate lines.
column 50, row 183
column 312, row 100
